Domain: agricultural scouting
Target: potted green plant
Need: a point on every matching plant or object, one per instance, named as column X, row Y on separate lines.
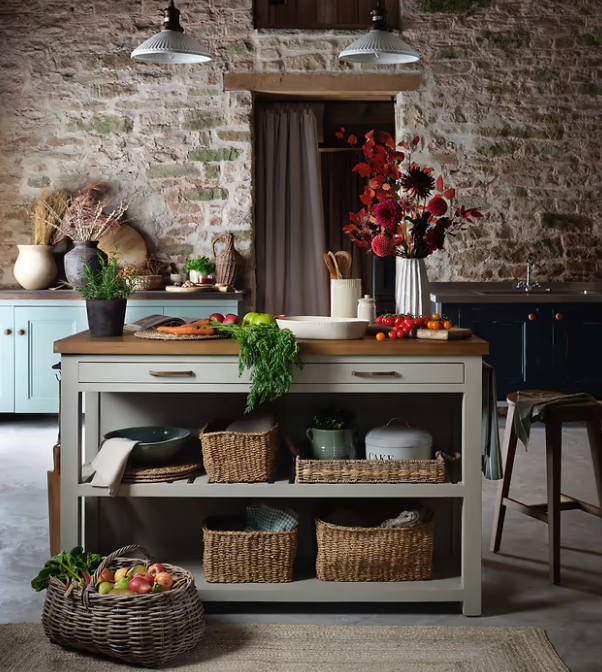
column 106, row 293
column 200, row 270
column 331, row 435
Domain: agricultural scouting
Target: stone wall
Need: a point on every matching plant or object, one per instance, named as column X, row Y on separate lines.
column 509, row 110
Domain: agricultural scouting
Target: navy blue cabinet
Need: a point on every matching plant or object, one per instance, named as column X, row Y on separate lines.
column 539, row 346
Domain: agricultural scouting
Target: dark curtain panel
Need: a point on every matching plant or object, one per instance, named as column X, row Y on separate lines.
column 341, row 189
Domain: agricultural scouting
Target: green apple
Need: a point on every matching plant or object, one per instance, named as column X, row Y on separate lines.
column 248, row 317
column 263, row 318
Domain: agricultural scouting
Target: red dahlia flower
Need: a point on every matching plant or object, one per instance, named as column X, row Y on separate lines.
column 418, row 181
column 388, row 214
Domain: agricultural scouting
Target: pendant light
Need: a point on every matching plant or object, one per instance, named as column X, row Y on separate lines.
column 379, row 46
column 171, row 45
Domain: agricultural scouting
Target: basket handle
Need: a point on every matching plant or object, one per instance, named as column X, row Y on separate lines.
column 117, row 554
column 291, row 446
column 228, row 236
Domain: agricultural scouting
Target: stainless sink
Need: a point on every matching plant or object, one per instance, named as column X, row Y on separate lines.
column 538, row 290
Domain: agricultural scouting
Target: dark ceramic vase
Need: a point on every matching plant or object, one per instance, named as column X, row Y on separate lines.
column 83, row 252
column 106, row 318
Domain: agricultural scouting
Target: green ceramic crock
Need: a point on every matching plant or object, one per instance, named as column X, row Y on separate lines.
column 332, row 444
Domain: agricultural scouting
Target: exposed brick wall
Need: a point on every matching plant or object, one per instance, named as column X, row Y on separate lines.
column 509, row 110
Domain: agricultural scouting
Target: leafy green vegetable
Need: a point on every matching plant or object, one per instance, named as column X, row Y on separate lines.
column 72, row 568
column 107, row 284
column 270, row 354
column 201, row 265
column 331, row 419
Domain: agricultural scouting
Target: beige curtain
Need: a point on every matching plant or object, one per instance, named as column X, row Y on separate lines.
column 289, row 232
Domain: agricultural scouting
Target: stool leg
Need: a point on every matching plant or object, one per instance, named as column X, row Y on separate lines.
column 553, row 467
column 509, row 450
column 594, row 433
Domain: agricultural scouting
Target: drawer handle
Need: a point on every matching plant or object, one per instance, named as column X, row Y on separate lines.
column 172, row 374
column 376, row 374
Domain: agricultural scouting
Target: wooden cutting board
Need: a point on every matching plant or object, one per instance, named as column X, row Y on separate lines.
column 453, row 334
column 132, row 248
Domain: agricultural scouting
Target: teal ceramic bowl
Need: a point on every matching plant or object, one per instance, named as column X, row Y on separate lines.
column 157, row 444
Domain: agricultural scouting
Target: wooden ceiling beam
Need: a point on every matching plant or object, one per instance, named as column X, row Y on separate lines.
column 372, row 86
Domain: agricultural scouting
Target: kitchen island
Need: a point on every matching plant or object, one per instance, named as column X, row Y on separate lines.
column 132, row 382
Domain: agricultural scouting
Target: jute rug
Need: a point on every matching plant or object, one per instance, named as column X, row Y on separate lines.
column 312, row 648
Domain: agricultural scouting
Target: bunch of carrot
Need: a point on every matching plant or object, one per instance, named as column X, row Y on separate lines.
column 200, row 327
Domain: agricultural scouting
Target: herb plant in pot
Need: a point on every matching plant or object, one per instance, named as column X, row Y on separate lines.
column 106, row 294
column 200, row 270
column 331, row 436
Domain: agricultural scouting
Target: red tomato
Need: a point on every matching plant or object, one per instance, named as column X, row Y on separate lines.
column 401, row 334
column 426, row 318
column 389, row 321
column 398, row 320
column 408, row 322
column 406, row 330
column 392, row 334
column 379, row 319
column 418, row 322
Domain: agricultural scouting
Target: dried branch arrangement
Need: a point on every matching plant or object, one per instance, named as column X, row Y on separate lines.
column 85, row 219
column 44, row 231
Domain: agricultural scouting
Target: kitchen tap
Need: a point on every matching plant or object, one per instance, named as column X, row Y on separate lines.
column 528, row 284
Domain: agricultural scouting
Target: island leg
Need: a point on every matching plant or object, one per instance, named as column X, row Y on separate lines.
column 472, row 504
column 71, row 446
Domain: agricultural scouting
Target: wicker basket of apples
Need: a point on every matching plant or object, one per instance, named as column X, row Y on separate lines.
column 142, row 612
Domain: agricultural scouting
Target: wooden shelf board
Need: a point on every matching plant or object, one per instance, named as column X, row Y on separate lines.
column 280, row 489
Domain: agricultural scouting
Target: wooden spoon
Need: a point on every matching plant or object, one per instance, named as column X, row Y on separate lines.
column 330, row 266
column 338, row 275
column 344, row 261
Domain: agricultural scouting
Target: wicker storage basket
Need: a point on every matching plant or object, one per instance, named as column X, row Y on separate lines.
column 236, row 457
column 374, row 553
column 370, row 471
column 143, row 629
column 248, row 557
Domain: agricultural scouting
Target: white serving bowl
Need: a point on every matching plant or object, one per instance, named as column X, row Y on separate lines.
column 324, row 328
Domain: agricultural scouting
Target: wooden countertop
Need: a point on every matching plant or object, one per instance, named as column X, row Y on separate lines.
column 84, row 344
column 156, row 295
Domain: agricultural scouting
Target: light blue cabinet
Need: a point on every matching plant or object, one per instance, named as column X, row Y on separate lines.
column 7, row 356
column 36, row 386
column 28, row 329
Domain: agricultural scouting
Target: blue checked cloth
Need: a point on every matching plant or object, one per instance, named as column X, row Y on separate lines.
column 264, row 518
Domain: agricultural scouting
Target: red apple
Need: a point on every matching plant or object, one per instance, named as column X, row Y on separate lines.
column 157, row 567
column 231, row 319
column 139, row 585
column 144, row 576
column 218, row 317
column 164, row 579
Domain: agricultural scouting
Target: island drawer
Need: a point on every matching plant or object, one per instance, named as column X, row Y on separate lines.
column 382, row 373
column 162, row 373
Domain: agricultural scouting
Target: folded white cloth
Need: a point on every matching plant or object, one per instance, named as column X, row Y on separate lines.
column 110, row 462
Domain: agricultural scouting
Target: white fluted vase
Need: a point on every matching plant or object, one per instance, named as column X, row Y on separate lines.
column 412, row 294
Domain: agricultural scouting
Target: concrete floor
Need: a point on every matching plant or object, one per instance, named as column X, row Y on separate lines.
column 515, row 582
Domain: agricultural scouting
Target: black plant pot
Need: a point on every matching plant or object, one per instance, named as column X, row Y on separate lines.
column 106, row 318
column 83, row 252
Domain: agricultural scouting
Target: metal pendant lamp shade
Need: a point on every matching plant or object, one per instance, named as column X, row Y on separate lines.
column 171, row 45
column 379, row 46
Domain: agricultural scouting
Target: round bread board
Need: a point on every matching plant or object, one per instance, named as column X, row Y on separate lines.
column 198, row 288
column 154, row 335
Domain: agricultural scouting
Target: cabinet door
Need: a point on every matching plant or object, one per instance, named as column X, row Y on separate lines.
column 7, row 360
column 36, row 387
column 520, row 348
column 577, row 338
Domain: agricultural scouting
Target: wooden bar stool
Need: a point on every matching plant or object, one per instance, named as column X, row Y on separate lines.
column 549, row 513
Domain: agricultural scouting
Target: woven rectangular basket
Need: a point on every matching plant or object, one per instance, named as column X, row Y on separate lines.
column 248, row 557
column 374, row 553
column 370, row 471
column 237, row 457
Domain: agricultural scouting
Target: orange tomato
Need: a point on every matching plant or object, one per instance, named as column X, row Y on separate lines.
column 447, row 324
column 380, row 336
column 434, row 325
column 435, row 316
